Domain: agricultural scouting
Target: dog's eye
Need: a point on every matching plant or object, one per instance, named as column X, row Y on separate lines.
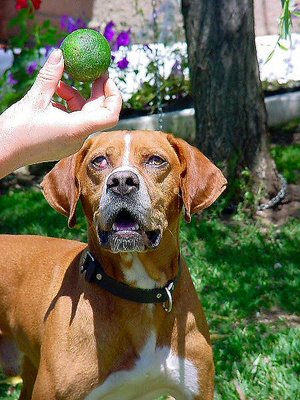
column 156, row 161
column 100, row 162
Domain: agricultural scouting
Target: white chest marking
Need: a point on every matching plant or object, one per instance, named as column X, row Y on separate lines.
column 137, row 274
column 127, row 140
column 157, row 372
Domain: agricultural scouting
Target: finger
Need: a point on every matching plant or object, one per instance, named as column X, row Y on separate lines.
column 93, row 118
column 73, row 98
column 113, row 98
column 47, row 79
column 98, row 87
column 110, row 100
column 97, row 98
column 86, row 123
column 59, row 105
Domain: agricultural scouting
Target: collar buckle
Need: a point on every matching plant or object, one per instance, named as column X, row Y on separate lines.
column 168, row 305
column 88, row 268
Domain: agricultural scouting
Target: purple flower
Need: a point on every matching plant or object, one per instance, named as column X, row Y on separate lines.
column 109, row 31
column 123, row 39
column 123, row 64
column 48, row 50
column 64, row 22
column 32, row 67
column 69, row 24
column 11, row 79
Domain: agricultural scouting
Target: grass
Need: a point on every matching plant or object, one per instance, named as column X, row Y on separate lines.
column 248, row 278
column 288, row 161
column 243, row 272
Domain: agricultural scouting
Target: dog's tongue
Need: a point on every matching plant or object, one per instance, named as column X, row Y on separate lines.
column 125, row 225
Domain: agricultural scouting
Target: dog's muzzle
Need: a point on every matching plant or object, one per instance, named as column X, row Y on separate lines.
column 125, row 211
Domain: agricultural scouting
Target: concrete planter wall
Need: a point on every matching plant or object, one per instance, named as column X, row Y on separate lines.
column 181, row 123
column 280, row 109
column 283, row 108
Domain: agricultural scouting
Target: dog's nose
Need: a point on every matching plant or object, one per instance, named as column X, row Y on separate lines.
column 123, row 183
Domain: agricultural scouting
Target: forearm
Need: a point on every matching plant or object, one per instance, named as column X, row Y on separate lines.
column 10, row 159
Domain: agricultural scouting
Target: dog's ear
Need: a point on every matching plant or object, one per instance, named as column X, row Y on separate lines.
column 61, row 188
column 201, row 181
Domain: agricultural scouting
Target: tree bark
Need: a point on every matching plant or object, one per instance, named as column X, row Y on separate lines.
column 231, row 126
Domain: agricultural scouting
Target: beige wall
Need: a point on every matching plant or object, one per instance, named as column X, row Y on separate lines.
column 128, row 13
column 136, row 14
column 266, row 14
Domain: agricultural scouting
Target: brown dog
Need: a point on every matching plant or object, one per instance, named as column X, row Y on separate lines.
column 119, row 318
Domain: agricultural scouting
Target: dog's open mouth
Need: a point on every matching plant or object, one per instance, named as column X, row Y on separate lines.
column 127, row 234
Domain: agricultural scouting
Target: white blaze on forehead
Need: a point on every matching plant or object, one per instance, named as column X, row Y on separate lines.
column 127, row 140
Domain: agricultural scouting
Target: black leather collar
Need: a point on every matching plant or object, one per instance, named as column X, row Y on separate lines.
column 94, row 272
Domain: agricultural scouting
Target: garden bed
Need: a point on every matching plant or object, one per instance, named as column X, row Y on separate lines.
column 281, row 108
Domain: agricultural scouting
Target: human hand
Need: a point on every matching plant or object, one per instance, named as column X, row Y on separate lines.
column 36, row 129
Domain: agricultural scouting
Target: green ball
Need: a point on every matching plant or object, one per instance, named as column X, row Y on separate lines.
column 87, row 55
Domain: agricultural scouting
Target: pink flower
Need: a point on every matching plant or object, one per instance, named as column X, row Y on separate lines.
column 36, row 3
column 24, row 4
column 21, row 4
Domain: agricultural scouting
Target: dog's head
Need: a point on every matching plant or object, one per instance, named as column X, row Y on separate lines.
column 132, row 186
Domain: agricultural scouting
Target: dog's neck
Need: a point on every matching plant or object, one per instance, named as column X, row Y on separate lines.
column 145, row 270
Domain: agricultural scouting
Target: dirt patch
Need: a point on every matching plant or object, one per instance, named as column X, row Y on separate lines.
column 25, row 177
column 289, row 208
column 275, row 315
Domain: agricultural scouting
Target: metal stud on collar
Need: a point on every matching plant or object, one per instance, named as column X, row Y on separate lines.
column 99, row 277
column 89, row 254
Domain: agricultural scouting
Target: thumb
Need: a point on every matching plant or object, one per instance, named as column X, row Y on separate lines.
column 47, row 79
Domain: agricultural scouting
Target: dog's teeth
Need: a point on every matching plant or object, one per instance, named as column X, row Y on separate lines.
column 117, row 228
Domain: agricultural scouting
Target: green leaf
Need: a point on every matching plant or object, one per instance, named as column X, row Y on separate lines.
column 270, row 56
column 19, row 18
column 282, row 46
column 46, row 23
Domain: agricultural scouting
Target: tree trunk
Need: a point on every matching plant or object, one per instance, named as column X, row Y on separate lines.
column 229, row 106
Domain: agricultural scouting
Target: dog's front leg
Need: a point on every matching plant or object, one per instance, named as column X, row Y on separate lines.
column 200, row 354
column 44, row 386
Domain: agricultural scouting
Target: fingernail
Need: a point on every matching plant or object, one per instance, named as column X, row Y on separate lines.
column 55, row 56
